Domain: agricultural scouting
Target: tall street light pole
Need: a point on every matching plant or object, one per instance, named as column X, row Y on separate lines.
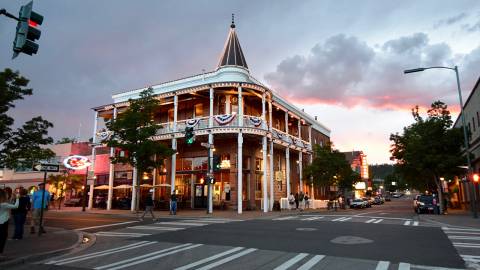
column 473, row 200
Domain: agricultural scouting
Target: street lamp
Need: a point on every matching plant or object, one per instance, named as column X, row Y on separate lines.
column 455, row 68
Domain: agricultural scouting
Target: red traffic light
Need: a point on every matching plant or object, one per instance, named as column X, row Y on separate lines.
column 32, row 23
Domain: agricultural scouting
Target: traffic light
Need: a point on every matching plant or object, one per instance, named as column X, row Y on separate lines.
column 27, row 31
column 189, row 135
column 216, row 163
column 476, row 177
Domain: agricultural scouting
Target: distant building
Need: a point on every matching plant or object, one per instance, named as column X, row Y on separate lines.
column 358, row 162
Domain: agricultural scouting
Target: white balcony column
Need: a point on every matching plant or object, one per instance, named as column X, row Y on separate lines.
column 271, row 175
column 111, row 171
column 265, row 186
column 300, row 165
column 210, row 118
column 174, row 145
column 310, row 135
column 270, row 118
column 311, row 180
column 133, row 204
column 287, row 166
column 286, row 122
column 264, row 114
column 240, row 107
column 239, row 173
column 92, row 167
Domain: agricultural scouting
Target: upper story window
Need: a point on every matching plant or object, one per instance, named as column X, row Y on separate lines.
column 234, row 104
column 170, row 115
column 198, row 110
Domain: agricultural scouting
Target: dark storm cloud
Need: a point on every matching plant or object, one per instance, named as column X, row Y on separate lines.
column 346, row 71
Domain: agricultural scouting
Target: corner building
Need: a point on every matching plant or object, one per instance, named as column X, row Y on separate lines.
column 262, row 140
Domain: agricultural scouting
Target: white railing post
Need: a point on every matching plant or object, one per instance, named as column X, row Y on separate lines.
column 111, row 172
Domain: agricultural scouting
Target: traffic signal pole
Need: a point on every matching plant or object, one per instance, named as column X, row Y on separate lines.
column 4, row 12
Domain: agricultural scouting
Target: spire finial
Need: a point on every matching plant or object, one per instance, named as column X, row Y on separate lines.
column 233, row 21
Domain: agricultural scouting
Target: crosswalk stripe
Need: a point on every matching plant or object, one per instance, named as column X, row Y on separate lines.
column 181, row 223
column 311, row 262
column 312, row 218
column 345, row 219
column 227, row 259
column 382, row 265
column 148, row 257
column 285, row 218
column 407, row 223
column 291, row 262
column 370, row 220
column 101, row 253
column 403, row 266
column 140, row 227
column 214, row 257
column 459, row 232
column 459, row 229
column 415, row 223
column 116, row 234
column 378, row 221
column 106, row 225
column 342, row 219
column 471, row 258
column 463, row 237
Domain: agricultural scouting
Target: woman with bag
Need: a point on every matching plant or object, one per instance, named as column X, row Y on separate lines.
column 291, row 201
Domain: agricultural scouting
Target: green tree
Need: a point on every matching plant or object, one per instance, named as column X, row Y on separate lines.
column 429, row 148
column 133, row 132
column 21, row 147
column 329, row 167
column 59, row 182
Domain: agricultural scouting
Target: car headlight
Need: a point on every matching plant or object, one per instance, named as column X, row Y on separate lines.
column 421, row 203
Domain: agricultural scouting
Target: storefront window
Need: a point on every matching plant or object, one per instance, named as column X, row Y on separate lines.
column 258, row 164
column 198, row 110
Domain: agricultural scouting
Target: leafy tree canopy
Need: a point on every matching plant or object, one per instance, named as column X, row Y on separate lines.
column 133, row 132
column 24, row 145
column 66, row 140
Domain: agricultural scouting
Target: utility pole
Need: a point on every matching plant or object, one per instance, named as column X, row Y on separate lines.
column 210, row 179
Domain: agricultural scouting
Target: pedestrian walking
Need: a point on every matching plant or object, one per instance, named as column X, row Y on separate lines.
column 291, row 201
column 149, row 204
column 37, row 207
column 20, row 214
column 173, row 203
column 296, row 200
column 301, row 201
column 5, row 208
column 307, row 201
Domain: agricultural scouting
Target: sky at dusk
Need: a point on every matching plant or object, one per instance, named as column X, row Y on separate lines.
column 339, row 60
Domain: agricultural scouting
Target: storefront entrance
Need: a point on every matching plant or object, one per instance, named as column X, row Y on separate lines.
column 200, row 196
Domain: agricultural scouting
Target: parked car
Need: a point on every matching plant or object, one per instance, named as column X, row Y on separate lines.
column 368, row 202
column 377, row 200
column 397, row 195
column 424, row 204
column 73, row 202
column 357, row 203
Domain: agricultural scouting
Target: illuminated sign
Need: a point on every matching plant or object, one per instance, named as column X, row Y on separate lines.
column 360, row 185
column 76, row 162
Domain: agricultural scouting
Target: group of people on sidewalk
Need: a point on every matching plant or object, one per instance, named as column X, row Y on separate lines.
column 18, row 204
column 150, row 205
column 297, row 201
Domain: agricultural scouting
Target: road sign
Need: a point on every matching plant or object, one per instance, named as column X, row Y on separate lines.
column 46, row 167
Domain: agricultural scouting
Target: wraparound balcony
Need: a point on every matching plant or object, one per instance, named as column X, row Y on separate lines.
column 228, row 123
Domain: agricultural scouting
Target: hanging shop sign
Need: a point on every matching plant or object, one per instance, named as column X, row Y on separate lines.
column 76, row 162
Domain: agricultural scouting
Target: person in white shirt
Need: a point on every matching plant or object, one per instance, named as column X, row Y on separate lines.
column 5, row 208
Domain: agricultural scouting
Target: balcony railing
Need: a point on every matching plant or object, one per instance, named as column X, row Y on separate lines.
column 249, row 121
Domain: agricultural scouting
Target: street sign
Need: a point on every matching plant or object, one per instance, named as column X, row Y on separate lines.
column 46, row 167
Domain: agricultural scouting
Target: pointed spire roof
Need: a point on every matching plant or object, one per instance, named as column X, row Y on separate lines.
column 232, row 52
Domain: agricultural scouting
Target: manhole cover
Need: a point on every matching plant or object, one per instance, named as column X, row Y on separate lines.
column 351, row 240
column 306, row 229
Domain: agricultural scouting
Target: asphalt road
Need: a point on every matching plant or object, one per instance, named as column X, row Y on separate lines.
column 384, row 237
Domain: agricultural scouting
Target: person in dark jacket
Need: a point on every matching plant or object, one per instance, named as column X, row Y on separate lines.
column 173, row 203
column 296, row 201
column 20, row 214
column 149, row 207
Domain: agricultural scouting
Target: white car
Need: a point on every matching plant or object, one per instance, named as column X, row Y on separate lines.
column 358, row 203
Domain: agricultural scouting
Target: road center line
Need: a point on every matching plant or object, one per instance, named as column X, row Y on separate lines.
column 291, row 262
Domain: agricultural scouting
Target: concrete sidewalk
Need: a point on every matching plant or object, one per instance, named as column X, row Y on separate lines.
column 33, row 247
column 453, row 218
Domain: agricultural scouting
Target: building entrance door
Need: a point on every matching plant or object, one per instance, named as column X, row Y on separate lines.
column 200, row 196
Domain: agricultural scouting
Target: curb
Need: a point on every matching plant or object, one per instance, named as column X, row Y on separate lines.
column 78, row 246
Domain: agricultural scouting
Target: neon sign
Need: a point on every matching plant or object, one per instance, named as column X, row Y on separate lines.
column 76, row 162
